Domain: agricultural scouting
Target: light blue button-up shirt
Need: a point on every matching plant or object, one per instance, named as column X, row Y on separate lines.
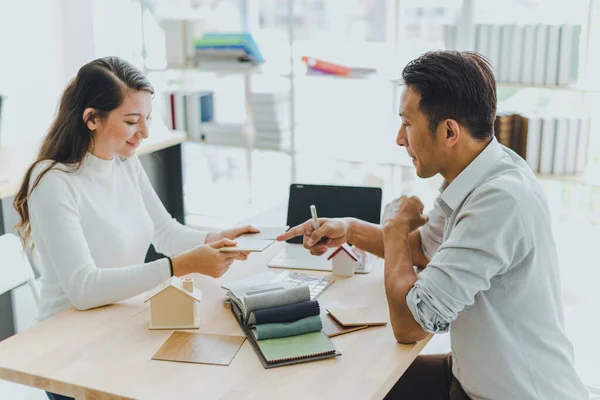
column 493, row 282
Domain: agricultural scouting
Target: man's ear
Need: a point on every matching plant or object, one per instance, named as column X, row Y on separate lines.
column 453, row 132
column 90, row 118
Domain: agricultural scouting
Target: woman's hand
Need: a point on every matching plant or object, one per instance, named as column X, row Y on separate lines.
column 206, row 260
column 232, row 234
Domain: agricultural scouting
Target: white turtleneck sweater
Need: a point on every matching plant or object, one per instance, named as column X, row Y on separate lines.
column 91, row 229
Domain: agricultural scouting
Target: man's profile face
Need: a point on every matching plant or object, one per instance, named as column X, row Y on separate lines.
column 415, row 135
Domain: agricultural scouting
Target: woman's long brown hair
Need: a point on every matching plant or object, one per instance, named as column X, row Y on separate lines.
column 100, row 85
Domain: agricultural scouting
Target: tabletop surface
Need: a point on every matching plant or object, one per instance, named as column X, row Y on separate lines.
column 106, row 352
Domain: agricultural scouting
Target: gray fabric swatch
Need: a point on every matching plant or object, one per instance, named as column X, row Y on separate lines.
column 279, row 298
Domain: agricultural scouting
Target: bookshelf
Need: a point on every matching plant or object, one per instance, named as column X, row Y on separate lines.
column 397, row 23
column 556, row 87
column 247, row 128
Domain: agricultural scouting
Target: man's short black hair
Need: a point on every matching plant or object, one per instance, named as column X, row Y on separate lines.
column 458, row 85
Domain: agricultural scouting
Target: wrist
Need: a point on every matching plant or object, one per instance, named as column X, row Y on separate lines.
column 212, row 237
column 181, row 264
column 350, row 230
column 395, row 228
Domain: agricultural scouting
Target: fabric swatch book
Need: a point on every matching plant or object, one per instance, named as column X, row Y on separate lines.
column 288, row 350
column 281, row 323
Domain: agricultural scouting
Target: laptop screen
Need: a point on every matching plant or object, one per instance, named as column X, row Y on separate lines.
column 332, row 202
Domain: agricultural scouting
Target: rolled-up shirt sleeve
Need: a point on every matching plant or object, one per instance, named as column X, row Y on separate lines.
column 433, row 231
column 483, row 241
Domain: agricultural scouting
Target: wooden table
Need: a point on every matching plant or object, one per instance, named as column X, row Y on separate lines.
column 160, row 156
column 106, row 352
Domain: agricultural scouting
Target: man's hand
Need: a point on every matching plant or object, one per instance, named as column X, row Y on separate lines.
column 330, row 233
column 404, row 211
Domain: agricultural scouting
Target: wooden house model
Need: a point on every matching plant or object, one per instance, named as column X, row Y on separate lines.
column 173, row 304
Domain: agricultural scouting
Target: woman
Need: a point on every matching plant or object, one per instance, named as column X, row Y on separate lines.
column 87, row 209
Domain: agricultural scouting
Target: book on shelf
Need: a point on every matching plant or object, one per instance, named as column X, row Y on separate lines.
column 560, row 146
column 483, row 39
column 187, row 110
column 495, row 48
column 527, row 54
column 583, row 139
column 516, row 54
column 575, row 53
column 541, row 47
column 223, row 133
column 551, row 144
column 503, row 128
column 517, row 142
column 571, row 147
column 228, row 47
column 527, row 64
column 568, row 54
column 505, row 54
column 547, row 144
column 552, row 55
column 531, row 131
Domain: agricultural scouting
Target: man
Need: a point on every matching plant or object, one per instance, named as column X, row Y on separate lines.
column 491, row 276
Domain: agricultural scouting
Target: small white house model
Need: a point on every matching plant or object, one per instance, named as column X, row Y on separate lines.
column 173, row 304
column 343, row 262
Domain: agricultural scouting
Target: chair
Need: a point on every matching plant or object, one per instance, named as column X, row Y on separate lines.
column 15, row 269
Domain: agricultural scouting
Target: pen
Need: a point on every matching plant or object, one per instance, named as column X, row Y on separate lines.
column 313, row 212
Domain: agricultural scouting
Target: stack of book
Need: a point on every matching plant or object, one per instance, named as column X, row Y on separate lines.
column 189, row 111
column 527, row 54
column 226, row 133
column 224, row 50
column 550, row 144
column 272, row 123
column 282, row 323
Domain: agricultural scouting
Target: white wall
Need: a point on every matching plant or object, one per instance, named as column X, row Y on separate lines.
column 30, row 67
column 43, row 43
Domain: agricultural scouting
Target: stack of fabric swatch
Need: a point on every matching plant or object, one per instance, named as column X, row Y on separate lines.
column 286, row 313
column 282, row 323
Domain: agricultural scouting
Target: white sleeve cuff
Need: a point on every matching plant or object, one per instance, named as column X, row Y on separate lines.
column 428, row 311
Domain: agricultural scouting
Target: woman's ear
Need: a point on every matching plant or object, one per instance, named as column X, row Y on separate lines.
column 90, row 118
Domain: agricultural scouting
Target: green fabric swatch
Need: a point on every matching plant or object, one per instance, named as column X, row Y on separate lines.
column 284, row 329
column 296, row 347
